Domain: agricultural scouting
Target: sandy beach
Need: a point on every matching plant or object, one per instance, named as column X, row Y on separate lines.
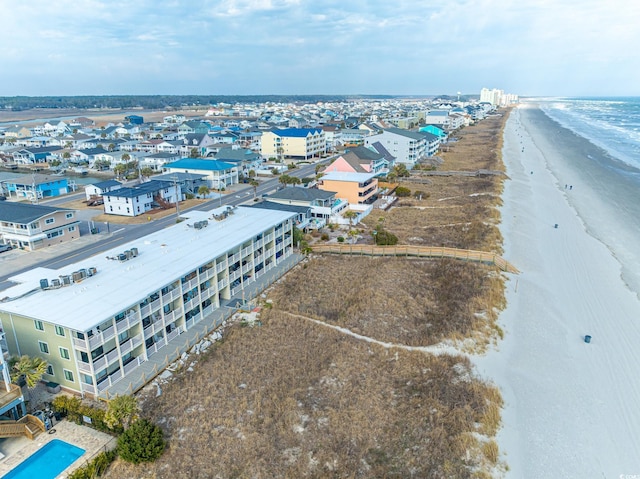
column 571, row 408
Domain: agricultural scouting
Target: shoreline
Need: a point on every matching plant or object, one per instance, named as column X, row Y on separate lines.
column 570, row 407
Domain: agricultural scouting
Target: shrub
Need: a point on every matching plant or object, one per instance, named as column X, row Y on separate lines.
column 324, row 237
column 384, row 238
column 402, row 192
column 95, row 468
column 340, row 239
column 189, row 196
column 142, row 442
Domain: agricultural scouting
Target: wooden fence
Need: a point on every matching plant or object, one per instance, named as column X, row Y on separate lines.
column 417, row 251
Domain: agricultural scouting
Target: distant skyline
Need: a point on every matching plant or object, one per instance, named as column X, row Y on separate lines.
column 262, row 47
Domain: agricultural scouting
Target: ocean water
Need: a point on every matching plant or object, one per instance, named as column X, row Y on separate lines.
column 598, row 146
column 610, row 123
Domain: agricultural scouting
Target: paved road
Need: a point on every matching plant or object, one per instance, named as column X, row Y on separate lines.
column 112, row 235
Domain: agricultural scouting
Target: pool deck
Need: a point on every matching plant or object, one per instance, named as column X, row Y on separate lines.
column 16, row 450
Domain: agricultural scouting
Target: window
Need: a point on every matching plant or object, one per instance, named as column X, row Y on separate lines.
column 49, row 221
column 64, row 353
column 44, row 347
column 38, row 324
column 68, row 375
column 69, row 216
column 59, row 330
column 71, row 228
column 50, row 370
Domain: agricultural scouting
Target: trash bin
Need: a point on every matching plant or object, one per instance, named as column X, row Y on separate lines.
column 587, row 339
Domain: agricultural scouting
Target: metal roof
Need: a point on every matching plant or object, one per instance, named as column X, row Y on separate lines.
column 163, row 257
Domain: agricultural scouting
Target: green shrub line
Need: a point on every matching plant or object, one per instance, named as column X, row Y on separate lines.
column 141, row 441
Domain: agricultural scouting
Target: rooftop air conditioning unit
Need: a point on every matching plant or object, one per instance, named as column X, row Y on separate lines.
column 77, row 276
column 134, row 252
column 66, row 279
column 55, row 283
column 91, row 271
column 44, row 283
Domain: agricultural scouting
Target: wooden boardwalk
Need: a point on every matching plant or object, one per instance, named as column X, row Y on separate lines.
column 417, row 251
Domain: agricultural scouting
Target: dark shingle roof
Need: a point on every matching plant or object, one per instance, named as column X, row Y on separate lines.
column 105, row 184
column 144, row 188
column 271, row 205
column 24, row 213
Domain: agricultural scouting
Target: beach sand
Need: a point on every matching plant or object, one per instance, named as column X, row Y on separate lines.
column 572, row 409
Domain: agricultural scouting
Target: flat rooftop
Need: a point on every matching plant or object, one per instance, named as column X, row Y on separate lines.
column 163, row 257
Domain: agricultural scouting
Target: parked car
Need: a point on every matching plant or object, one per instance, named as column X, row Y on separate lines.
column 5, row 247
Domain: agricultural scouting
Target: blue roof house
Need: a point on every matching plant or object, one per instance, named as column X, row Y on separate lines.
column 219, row 174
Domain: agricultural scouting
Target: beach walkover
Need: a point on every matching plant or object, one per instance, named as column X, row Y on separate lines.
column 418, row 251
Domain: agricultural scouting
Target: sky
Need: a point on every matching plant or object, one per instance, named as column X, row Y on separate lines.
column 256, row 47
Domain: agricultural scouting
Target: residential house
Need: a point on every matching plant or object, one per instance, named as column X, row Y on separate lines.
column 96, row 321
column 96, row 190
column 295, row 143
column 189, row 183
column 333, row 136
column 36, row 186
column 324, row 204
column 245, row 160
column 29, row 156
column 156, row 161
column 439, row 131
column 139, row 199
column 360, row 160
column 191, row 127
column 198, row 141
column 32, row 227
column 356, row 188
column 134, row 119
column 219, row 174
column 303, row 219
column 408, row 147
column 88, row 155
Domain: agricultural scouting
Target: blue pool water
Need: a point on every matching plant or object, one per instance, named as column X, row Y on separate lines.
column 47, row 462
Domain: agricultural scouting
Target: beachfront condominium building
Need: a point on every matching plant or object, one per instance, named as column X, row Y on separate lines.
column 98, row 320
column 406, row 146
column 295, row 143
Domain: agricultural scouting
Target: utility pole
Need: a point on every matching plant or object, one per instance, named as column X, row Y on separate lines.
column 175, row 188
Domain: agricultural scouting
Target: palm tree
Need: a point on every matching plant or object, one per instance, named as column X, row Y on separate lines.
column 255, row 185
column 350, row 215
column 27, row 369
column 203, row 190
column 122, row 411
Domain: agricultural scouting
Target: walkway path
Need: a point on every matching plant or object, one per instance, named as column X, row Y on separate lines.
column 435, row 349
column 419, row 251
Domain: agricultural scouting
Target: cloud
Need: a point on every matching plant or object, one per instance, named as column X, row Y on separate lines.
column 291, row 46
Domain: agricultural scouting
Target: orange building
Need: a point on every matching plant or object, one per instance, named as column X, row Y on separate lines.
column 356, row 188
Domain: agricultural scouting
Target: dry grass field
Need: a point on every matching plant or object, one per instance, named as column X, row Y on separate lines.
column 296, row 399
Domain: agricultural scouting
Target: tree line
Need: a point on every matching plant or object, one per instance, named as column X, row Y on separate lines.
column 152, row 102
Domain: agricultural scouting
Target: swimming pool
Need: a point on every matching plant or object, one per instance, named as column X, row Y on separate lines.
column 47, row 462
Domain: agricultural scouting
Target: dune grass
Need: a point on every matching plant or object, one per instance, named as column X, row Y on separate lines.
column 295, row 399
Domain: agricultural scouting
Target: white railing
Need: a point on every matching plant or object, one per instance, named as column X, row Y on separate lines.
column 220, row 267
column 207, row 274
column 132, row 365
column 173, row 315
column 145, row 310
column 189, row 285
column 246, row 251
column 100, row 363
column 84, row 367
column 173, row 334
column 235, row 275
column 234, row 259
column 189, row 305
column 79, row 343
column 88, row 388
column 222, row 283
column 112, row 355
column 247, row 267
column 171, row 295
column 268, row 238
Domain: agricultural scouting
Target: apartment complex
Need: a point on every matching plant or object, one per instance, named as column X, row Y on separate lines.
column 99, row 319
column 296, row 143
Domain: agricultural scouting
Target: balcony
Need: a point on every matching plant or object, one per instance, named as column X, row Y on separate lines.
column 131, row 344
column 7, row 397
column 222, row 283
column 220, row 267
column 84, row 367
column 173, row 315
